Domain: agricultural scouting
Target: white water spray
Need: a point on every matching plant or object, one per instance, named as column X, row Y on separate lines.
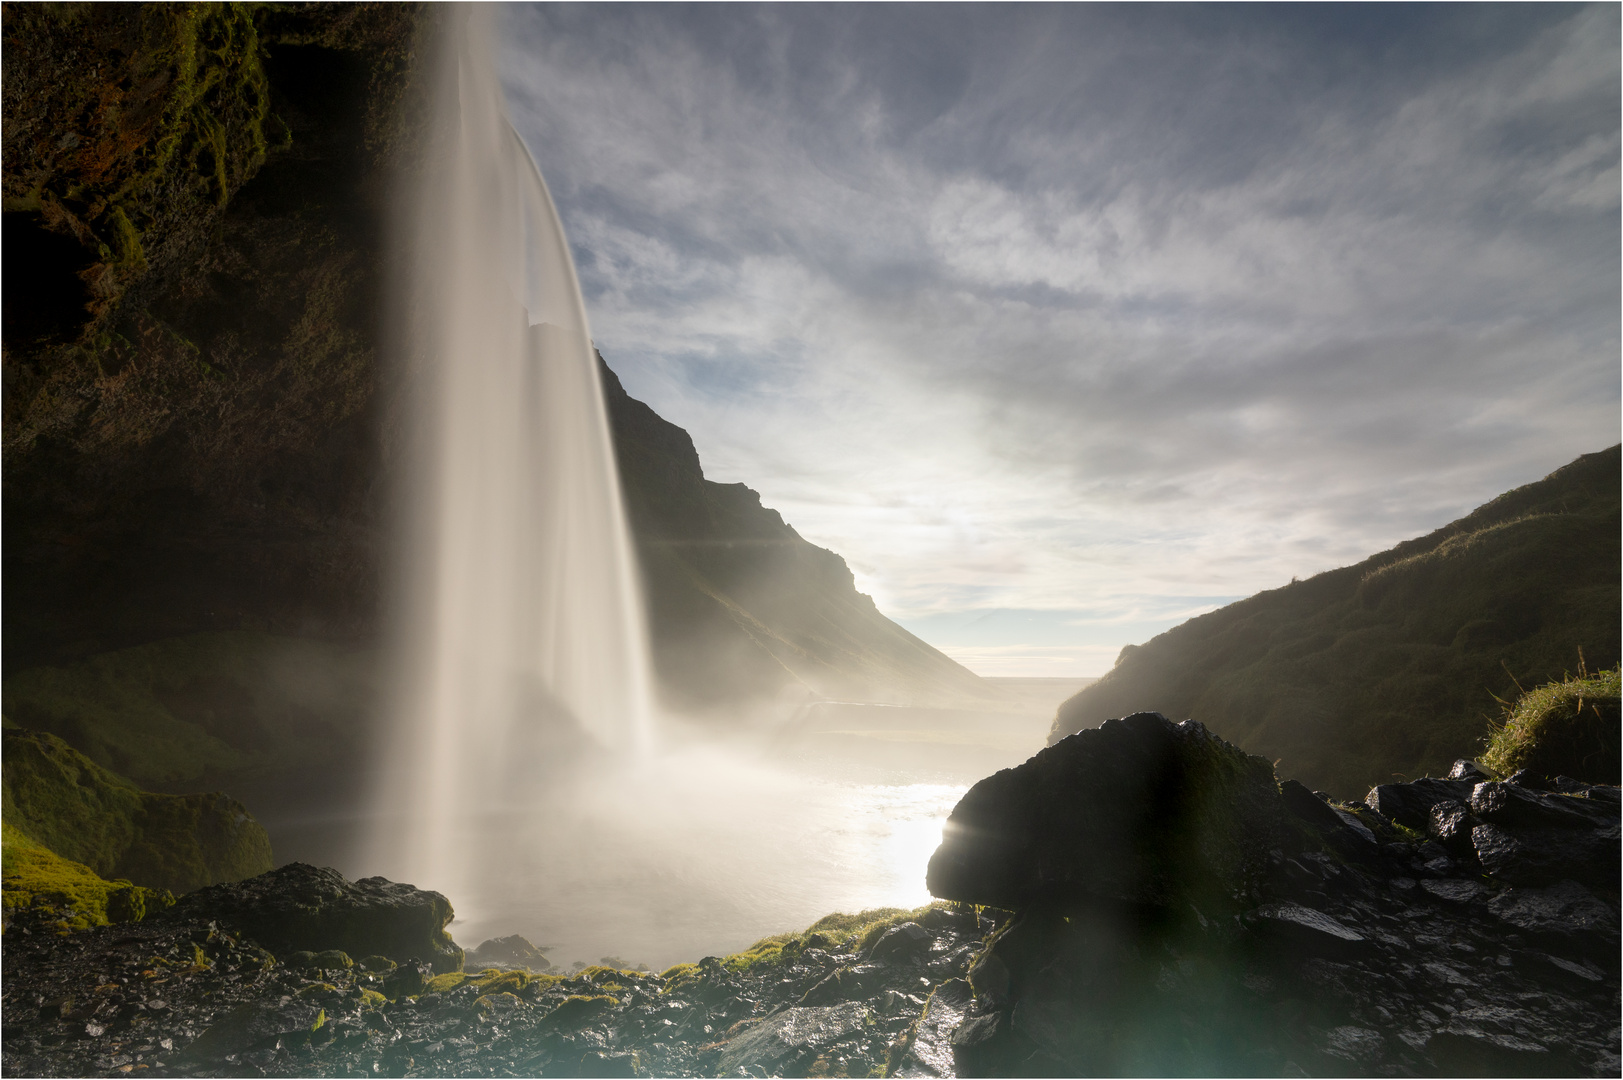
column 524, row 632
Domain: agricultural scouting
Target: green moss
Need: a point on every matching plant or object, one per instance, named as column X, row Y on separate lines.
column 440, row 984
column 497, row 1000
column 33, row 876
column 1565, row 727
column 87, row 814
column 371, row 999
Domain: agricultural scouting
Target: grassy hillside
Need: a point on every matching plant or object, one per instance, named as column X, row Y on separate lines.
column 740, row 605
column 64, row 802
column 1392, row 667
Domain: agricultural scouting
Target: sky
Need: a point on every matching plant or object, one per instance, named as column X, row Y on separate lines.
column 1064, row 324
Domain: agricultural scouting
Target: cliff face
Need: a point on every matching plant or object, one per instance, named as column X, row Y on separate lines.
column 191, row 410
column 740, row 605
column 1393, row 668
column 197, row 422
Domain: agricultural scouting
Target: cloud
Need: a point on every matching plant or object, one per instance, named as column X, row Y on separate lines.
column 1091, row 308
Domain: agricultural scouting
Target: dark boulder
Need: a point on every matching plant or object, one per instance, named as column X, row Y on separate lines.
column 1451, row 824
column 306, row 908
column 407, row 980
column 1513, row 806
column 1410, row 804
column 909, row 941
column 1139, row 810
column 788, row 1042
column 1545, row 856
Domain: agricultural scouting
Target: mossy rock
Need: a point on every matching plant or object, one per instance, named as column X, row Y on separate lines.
column 301, row 907
column 85, row 813
column 328, row 960
column 1569, row 727
column 35, row 877
column 577, row 1010
column 376, row 965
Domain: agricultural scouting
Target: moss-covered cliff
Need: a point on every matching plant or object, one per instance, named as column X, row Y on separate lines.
column 67, row 803
column 193, row 201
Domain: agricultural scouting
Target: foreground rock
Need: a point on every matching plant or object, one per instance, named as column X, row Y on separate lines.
column 183, row 997
column 302, row 908
column 1352, row 943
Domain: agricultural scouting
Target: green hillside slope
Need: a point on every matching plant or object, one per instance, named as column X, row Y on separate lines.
column 67, row 803
column 740, row 606
column 1392, row 667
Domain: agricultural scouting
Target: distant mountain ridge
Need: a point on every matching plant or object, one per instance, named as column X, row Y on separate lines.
column 1391, row 667
column 741, row 606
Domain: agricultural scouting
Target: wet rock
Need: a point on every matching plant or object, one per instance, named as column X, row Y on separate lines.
column 1450, row 823
column 1410, row 804
column 512, row 951
column 906, row 942
column 407, row 979
column 1465, row 1049
column 300, row 907
column 1468, row 770
column 792, row 1037
column 608, row 1063
column 1513, row 806
column 1139, row 809
column 255, row 1025
column 1455, row 890
column 1544, row 856
column 925, row 1048
column 1303, row 928
column 844, row 984
column 1564, row 912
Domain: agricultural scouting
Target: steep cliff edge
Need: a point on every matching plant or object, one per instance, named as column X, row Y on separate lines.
column 740, row 605
column 1392, row 668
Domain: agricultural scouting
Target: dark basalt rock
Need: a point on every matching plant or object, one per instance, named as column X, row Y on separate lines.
column 1410, row 804
column 909, row 941
column 1493, row 951
column 305, row 908
column 1139, row 810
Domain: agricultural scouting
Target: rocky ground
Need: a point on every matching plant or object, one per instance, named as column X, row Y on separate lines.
column 187, row 998
column 1165, row 908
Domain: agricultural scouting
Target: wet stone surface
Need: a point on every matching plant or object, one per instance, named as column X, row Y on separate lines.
column 194, row 1000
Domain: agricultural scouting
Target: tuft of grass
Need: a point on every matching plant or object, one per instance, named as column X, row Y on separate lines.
column 1565, row 727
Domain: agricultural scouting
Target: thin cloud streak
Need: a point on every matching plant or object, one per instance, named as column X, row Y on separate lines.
column 1095, row 308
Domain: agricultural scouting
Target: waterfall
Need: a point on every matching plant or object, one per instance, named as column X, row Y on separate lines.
column 523, row 637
